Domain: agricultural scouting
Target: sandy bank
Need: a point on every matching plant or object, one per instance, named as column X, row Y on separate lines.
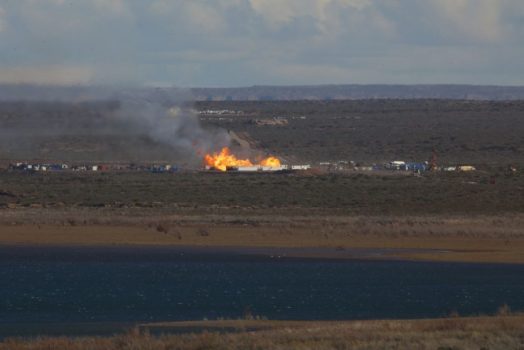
column 314, row 240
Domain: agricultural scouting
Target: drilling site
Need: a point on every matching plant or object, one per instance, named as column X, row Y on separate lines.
column 333, row 174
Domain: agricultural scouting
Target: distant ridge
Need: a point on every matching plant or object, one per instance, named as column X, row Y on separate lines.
column 267, row 93
column 341, row 92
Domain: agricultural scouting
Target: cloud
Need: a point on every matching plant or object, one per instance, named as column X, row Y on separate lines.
column 117, row 8
column 3, row 22
column 46, row 75
column 476, row 19
column 323, row 13
column 203, row 17
column 196, row 16
column 231, row 42
column 279, row 12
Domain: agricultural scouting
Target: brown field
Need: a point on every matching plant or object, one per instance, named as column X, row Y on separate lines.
column 497, row 332
column 434, row 238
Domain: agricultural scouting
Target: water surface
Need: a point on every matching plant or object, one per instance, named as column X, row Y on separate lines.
column 47, row 286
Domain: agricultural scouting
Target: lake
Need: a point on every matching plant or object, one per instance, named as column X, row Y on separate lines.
column 45, row 286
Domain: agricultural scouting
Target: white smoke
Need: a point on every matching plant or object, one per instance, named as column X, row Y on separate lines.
column 167, row 116
column 135, row 123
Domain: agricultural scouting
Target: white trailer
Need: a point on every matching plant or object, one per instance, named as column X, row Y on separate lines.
column 301, row 167
column 252, row 168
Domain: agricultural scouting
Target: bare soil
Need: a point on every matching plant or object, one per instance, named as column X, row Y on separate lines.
column 436, row 238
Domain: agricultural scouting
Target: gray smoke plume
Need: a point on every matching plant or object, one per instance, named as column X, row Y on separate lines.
column 168, row 117
column 103, row 124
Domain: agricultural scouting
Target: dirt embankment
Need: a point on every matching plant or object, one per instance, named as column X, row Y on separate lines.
column 435, row 238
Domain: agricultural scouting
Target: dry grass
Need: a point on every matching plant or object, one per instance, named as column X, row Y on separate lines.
column 468, row 226
column 344, row 193
column 500, row 332
column 441, row 238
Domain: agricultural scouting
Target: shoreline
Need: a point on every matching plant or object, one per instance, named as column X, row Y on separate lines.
column 275, row 240
column 180, row 253
column 499, row 331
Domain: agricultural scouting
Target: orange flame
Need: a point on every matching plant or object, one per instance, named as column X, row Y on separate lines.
column 225, row 159
column 270, row 161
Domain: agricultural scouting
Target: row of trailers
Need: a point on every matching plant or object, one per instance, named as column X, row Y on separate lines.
column 263, row 169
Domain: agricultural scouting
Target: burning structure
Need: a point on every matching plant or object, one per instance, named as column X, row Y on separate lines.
column 226, row 161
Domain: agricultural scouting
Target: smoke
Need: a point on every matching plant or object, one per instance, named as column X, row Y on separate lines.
column 167, row 116
column 103, row 124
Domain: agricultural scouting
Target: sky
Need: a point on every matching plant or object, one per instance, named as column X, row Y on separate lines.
column 213, row 43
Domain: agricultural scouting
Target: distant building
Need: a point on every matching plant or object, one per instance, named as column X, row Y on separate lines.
column 396, row 165
column 466, row 168
column 416, row 167
column 301, row 167
column 277, row 121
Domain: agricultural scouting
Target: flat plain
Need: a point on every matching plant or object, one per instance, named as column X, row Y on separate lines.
column 320, row 214
column 474, row 216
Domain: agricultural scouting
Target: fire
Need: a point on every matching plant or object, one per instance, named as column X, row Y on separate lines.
column 270, row 161
column 225, row 159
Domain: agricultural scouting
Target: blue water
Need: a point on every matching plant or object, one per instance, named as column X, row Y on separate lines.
column 69, row 289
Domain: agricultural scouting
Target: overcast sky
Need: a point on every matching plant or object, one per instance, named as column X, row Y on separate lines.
column 248, row 42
